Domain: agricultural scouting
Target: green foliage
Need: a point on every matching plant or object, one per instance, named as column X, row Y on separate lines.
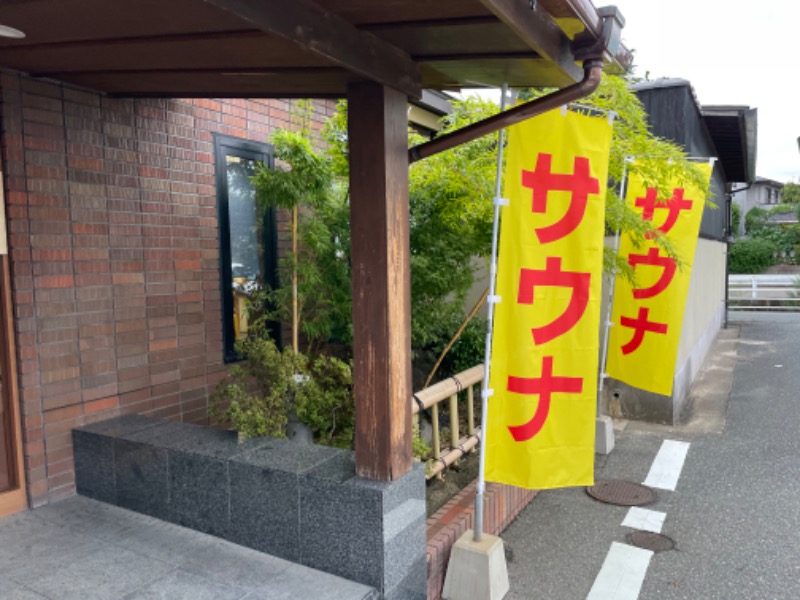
column 781, row 208
column 256, row 395
column 658, row 161
column 306, row 181
column 736, row 218
column 791, row 193
column 751, row 255
column 259, row 394
column 468, row 350
column 450, row 219
column 335, row 135
column 323, row 279
column 756, row 223
column 755, row 219
column 785, row 238
column 324, row 401
column 419, row 448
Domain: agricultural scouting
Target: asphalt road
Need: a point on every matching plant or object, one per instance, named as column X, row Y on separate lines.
column 735, row 513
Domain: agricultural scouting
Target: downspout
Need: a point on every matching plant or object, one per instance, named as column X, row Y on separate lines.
column 592, row 73
column 728, row 241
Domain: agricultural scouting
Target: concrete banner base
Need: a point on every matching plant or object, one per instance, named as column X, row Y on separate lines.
column 477, row 570
column 604, row 435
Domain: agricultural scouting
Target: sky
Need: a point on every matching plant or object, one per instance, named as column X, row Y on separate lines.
column 732, row 52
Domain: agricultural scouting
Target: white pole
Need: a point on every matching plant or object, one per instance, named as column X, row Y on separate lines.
column 485, row 391
column 604, row 360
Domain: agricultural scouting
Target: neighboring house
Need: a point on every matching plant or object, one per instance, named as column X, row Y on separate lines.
column 728, row 133
column 763, row 193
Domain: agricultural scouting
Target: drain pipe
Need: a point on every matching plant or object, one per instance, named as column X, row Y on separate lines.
column 592, row 73
column 728, row 241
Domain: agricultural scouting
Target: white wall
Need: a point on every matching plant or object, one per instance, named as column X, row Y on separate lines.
column 706, row 294
column 703, row 318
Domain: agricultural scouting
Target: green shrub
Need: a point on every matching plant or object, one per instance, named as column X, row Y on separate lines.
column 736, row 218
column 259, row 394
column 755, row 219
column 783, row 237
column 751, row 255
column 470, row 349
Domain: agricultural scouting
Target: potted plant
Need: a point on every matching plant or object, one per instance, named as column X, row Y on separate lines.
column 270, row 388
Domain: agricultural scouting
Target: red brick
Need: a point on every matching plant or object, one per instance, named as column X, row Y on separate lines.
column 127, row 246
column 101, row 405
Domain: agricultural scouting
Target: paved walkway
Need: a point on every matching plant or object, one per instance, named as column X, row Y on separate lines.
column 732, row 507
column 84, row 549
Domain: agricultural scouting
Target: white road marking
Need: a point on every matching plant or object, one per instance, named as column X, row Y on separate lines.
column 644, row 520
column 667, row 466
column 622, row 574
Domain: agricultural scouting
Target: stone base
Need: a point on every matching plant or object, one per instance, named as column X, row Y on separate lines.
column 477, row 570
column 604, row 435
column 300, row 502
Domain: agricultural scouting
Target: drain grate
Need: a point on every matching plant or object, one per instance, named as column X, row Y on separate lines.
column 621, row 492
column 657, row 542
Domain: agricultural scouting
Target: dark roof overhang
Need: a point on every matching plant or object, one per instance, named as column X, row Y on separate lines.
column 305, row 48
column 733, row 130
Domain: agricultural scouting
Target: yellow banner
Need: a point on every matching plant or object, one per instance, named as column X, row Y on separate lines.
column 541, row 420
column 648, row 316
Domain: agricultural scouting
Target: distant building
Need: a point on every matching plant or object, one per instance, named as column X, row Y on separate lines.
column 764, row 193
column 788, row 217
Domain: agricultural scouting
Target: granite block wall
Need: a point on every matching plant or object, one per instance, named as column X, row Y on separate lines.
column 299, row 502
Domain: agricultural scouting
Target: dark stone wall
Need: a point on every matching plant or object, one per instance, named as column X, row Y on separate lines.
column 300, row 502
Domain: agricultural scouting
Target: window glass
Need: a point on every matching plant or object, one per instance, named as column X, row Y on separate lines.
column 247, row 235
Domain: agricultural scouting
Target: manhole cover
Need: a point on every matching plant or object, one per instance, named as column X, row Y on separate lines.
column 651, row 541
column 623, row 493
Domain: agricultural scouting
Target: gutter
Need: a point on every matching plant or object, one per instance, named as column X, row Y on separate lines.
column 588, row 48
column 728, row 242
column 592, row 73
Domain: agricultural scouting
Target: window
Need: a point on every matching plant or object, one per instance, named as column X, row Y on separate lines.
column 248, row 242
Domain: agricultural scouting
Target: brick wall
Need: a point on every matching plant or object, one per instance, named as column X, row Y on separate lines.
column 112, row 224
column 502, row 504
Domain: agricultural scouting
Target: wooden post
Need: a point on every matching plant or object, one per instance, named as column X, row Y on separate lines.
column 379, row 226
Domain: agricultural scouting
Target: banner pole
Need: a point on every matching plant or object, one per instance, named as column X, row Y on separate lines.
column 492, row 299
column 607, row 325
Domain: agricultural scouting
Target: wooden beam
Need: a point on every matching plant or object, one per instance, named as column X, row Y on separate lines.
column 330, row 36
column 429, row 24
column 22, row 48
column 423, row 58
column 381, row 279
column 537, row 29
column 228, row 71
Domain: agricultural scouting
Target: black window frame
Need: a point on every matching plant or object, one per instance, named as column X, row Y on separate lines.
column 225, row 145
